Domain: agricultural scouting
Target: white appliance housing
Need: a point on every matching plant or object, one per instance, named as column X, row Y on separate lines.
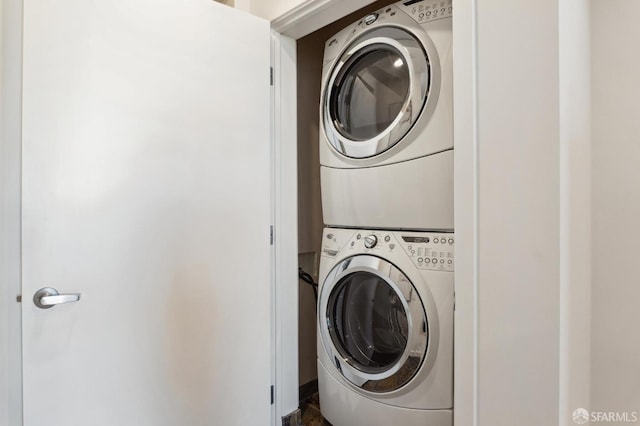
column 386, row 114
column 385, row 327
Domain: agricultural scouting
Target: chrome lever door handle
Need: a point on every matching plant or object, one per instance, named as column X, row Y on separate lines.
column 48, row 297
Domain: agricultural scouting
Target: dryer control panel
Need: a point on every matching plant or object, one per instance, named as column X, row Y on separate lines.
column 427, row 10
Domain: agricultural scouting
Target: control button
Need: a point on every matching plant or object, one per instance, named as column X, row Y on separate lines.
column 450, row 261
column 435, row 240
column 353, row 243
column 434, row 260
column 387, row 238
column 450, row 240
column 388, row 10
column 427, row 260
column 442, row 10
column 393, row 14
column 413, row 252
column 370, row 241
column 421, row 16
column 419, row 260
column 428, row 13
column 329, row 236
column 370, row 19
column 443, row 241
column 410, row 248
column 358, row 236
column 441, row 260
column 392, row 246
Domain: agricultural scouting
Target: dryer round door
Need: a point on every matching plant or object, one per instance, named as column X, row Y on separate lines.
column 373, row 324
column 376, row 91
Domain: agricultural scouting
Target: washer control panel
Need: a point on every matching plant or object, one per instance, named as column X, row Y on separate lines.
column 433, row 251
column 427, row 250
column 427, row 10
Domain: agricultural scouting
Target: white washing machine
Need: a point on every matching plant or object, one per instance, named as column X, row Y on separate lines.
column 386, row 114
column 385, row 328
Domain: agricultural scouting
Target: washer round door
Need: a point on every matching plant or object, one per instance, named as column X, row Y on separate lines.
column 376, row 91
column 373, row 324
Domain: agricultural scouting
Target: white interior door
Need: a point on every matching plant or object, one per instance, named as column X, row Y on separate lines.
column 146, row 190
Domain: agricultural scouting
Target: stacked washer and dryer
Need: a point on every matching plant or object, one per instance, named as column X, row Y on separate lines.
column 386, row 297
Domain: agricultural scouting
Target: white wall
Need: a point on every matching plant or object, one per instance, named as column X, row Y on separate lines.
column 518, row 216
column 465, row 103
column 530, row 209
column 10, row 133
column 616, row 205
column 270, row 9
column 575, row 207
column 238, row 4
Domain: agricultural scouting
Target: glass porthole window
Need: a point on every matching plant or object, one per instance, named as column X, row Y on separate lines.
column 373, row 323
column 375, row 92
column 370, row 93
column 368, row 322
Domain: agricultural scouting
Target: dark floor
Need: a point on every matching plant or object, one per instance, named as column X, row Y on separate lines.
column 311, row 412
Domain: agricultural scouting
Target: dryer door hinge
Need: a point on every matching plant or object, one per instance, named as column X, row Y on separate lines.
column 273, row 394
column 271, row 75
column 271, row 234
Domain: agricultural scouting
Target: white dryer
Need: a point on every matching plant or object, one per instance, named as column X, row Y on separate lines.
column 386, row 114
column 385, row 328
